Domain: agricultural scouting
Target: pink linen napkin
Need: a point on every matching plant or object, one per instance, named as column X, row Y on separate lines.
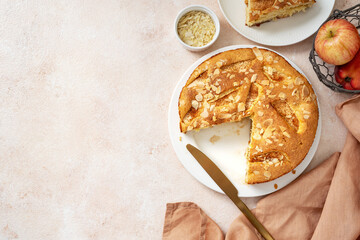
column 321, row 204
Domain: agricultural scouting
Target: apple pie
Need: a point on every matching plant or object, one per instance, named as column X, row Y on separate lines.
column 259, row 11
column 260, row 85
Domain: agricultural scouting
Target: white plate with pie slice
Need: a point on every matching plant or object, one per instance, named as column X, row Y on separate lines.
column 282, row 32
column 226, row 144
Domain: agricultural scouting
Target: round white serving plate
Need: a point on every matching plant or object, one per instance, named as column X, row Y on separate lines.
column 227, row 149
column 285, row 31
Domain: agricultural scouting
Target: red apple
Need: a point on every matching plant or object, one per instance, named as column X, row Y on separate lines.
column 337, row 42
column 348, row 75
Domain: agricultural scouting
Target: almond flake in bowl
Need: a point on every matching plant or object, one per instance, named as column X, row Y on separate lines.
column 196, row 28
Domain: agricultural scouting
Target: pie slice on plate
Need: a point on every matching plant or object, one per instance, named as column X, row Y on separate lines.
column 260, row 11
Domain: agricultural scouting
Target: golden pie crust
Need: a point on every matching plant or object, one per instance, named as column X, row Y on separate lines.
column 260, row 11
column 263, row 86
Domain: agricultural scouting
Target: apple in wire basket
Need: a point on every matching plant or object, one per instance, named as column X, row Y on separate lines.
column 337, row 42
column 348, row 75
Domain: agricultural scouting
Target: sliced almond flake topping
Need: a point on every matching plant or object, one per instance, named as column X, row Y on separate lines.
column 212, row 107
column 277, row 164
column 204, row 114
column 286, row 134
column 258, row 125
column 260, row 113
column 265, row 82
column 189, row 128
column 224, row 115
column 219, row 64
column 267, row 123
column 306, row 116
column 261, row 131
column 291, row 86
column 216, row 72
column 206, row 105
column 268, row 141
column 283, row 129
column 209, row 96
column 232, row 76
column 272, row 96
column 269, row 58
column 267, row 174
column 199, row 97
column 306, row 112
column 251, row 70
column 281, row 144
column 195, row 104
column 282, row 96
column 258, row 149
column 236, row 84
column 275, row 160
column 237, row 98
column 256, row 172
column 218, row 90
column 241, row 107
column 253, row 78
column 268, row 91
column 256, row 136
column 305, row 91
column 298, row 81
column 258, row 54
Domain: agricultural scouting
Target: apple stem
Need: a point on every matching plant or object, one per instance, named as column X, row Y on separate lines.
column 331, row 34
column 347, row 79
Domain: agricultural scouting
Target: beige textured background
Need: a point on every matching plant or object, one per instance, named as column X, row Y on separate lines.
column 84, row 94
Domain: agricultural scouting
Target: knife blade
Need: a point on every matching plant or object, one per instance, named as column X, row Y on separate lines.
column 229, row 189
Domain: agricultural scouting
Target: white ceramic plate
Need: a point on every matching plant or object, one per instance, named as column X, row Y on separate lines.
column 282, row 32
column 228, row 152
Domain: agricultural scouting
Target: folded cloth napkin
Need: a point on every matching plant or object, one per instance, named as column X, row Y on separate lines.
column 321, row 204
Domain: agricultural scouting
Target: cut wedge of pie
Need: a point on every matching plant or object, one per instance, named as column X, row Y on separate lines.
column 260, row 11
column 263, row 86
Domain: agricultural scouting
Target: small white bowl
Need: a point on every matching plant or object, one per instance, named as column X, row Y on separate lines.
column 202, row 9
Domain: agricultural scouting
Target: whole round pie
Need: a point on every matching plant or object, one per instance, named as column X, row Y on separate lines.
column 261, row 85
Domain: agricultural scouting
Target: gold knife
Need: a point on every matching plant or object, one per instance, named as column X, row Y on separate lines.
column 229, row 189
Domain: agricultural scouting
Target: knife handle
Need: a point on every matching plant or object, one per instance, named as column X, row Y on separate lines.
column 253, row 220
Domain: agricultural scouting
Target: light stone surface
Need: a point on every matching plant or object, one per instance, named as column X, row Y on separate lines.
column 84, row 94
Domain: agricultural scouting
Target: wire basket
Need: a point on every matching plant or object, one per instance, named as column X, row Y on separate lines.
column 324, row 71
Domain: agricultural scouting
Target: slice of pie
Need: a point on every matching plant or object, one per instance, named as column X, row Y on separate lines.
column 260, row 85
column 259, row 11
